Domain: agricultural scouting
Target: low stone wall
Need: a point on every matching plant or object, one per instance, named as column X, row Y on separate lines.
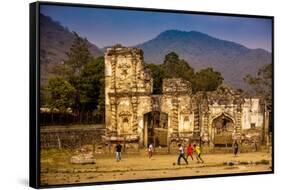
column 77, row 136
column 70, row 136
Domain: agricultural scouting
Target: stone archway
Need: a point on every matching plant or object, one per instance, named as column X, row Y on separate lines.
column 155, row 128
column 222, row 131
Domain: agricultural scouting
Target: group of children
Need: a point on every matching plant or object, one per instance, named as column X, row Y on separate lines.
column 190, row 150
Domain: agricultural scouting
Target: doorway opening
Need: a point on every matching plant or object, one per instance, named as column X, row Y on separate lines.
column 223, row 128
column 155, row 129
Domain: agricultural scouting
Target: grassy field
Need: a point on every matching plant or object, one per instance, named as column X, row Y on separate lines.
column 57, row 169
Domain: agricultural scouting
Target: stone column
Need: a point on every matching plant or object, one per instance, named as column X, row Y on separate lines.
column 134, row 79
column 205, row 123
column 211, row 131
column 135, row 114
column 196, row 129
column 175, row 115
column 113, row 107
column 113, row 74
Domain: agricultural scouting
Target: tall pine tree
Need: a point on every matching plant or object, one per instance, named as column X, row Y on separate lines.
column 78, row 55
column 78, row 58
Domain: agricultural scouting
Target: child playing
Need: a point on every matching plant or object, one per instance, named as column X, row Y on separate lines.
column 150, row 150
column 198, row 153
column 189, row 151
column 181, row 154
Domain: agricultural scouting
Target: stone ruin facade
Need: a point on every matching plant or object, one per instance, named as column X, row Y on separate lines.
column 137, row 117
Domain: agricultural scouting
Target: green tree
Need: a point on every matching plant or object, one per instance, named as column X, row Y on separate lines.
column 78, row 58
column 175, row 67
column 85, row 74
column 63, row 70
column 78, row 55
column 59, row 94
column 157, row 75
column 92, row 84
column 101, row 99
column 206, row 80
column 261, row 83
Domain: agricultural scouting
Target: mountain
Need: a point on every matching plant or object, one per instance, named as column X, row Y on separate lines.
column 55, row 41
column 200, row 50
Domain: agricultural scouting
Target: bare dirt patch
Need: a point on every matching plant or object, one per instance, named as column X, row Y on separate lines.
column 57, row 169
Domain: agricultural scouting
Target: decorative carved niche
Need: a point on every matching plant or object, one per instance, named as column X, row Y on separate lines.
column 125, row 114
column 186, row 118
column 134, row 100
column 124, row 67
column 125, row 120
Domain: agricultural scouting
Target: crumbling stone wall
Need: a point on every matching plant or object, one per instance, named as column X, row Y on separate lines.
column 70, row 137
column 176, row 103
column 191, row 117
column 128, row 89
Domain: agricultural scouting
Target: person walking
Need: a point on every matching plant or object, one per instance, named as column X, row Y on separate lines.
column 118, row 149
column 150, row 150
column 235, row 148
column 181, row 154
column 189, row 151
column 198, row 153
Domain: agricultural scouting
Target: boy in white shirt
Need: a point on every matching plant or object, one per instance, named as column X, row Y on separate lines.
column 181, row 154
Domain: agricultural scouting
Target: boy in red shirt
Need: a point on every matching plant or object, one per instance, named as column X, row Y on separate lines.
column 189, row 151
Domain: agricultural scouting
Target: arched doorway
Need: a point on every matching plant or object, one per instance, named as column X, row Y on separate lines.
column 155, row 128
column 222, row 130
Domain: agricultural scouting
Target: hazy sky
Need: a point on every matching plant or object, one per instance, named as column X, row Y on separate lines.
column 105, row 27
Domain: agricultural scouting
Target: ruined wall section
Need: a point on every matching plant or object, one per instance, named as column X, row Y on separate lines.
column 70, row 137
column 128, row 87
column 252, row 114
column 246, row 114
column 176, row 102
column 253, row 122
column 128, row 97
column 224, row 102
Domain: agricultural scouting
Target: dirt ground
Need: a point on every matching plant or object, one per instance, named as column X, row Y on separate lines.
column 56, row 168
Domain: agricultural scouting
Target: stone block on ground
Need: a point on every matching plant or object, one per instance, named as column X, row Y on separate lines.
column 83, row 158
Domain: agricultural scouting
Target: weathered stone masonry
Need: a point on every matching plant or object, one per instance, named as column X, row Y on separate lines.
column 137, row 117
column 70, row 137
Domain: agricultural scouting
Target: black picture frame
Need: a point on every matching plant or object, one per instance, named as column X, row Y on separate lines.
column 34, row 98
